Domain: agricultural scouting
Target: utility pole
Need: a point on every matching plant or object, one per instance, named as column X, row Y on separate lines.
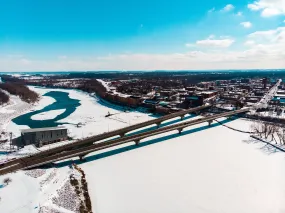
column 11, row 134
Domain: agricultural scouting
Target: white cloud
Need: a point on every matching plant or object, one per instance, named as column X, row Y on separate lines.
column 272, row 36
column 62, row 57
column 262, row 50
column 246, row 24
column 190, row 45
column 249, row 43
column 220, row 43
column 211, row 36
column 239, row 14
column 254, row 6
column 268, row 8
column 228, row 7
column 268, row 12
column 263, row 34
column 259, row 56
column 271, row 42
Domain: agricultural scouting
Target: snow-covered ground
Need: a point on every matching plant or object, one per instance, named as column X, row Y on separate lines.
column 205, row 169
column 90, row 116
column 39, row 190
column 14, row 108
column 48, row 115
column 212, row 170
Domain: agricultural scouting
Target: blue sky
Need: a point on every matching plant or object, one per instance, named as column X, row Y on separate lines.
column 141, row 35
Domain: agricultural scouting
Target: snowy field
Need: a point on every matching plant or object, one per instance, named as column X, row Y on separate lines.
column 90, row 115
column 16, row 107
column 48, row 115
column 35, row 190
column 204, row 170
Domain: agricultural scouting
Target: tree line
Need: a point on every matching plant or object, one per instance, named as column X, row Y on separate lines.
column 92, row 85
column 20, row 90
column 4, row 98
column 16, row 86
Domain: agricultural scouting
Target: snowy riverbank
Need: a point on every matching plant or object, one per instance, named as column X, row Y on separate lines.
column 15, row 108
column 88, row 119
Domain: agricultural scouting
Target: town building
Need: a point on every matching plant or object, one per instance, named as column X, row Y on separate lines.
column 41, row 136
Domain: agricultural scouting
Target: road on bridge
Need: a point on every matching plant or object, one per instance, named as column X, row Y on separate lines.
column 35, row 161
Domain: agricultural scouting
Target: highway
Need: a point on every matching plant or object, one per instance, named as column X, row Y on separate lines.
column 121, row 132
column 263, row 103
column 38, row 160
column 103, row 136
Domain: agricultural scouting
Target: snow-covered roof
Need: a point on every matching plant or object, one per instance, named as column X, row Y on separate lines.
column 42, row 129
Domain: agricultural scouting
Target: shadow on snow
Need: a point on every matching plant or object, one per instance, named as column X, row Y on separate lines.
column 142, row 144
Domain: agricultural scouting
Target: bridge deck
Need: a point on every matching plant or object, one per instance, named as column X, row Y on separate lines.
column 33, row 162
column 103, row 136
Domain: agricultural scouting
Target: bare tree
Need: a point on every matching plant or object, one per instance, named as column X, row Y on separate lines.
column 268, row 130
column 256, row 128
column 7, row 180
column 264, row 129
column 281, row 135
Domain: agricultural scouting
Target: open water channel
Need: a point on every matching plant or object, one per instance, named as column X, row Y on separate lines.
column 62, row 101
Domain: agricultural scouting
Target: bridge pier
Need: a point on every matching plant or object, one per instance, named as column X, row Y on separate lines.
column 158, row 124
column 209, row 123
column 122, row 135
column 81, row 158
column 137, row 142
column 179, row 131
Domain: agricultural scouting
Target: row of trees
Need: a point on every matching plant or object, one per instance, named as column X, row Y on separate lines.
column 20, row 90
column 269, row 131
column 92, row 85
column 16, row 86
column 144, row 86
column 87, row 85
column 4, row 98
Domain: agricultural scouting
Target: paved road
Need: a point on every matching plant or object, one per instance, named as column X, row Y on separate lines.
column 37, row 161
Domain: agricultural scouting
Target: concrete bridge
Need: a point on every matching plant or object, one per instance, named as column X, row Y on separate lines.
column 83, row 147
column 263, row 103
column 119, row 132
column 38, row 160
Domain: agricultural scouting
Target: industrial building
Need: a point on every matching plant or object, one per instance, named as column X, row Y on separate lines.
column 41, row 136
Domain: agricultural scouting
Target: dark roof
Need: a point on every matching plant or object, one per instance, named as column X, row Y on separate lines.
column 42, row 129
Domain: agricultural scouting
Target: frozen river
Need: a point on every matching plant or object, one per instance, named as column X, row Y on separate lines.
column 62, row 102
